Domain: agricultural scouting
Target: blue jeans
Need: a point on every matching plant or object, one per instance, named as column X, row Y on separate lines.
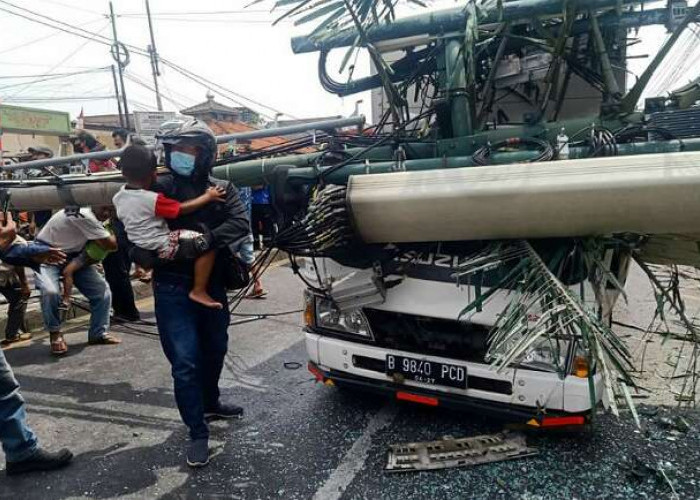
column 18, row 440
column 90, row 284
column 246, row 251
column 195, row 341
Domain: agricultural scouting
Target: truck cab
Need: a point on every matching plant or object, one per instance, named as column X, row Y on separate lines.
column 413, row 345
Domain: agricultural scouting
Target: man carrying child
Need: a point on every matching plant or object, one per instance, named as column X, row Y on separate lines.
column 193, row 333
column 144, row 214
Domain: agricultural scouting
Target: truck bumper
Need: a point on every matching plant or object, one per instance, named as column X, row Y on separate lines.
column 516, row 395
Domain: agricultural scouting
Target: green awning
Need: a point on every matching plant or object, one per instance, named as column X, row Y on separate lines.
column 33, row 121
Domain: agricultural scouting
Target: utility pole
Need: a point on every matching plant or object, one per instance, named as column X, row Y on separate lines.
column 116, row 95
column 121, row 63
column 154, row 58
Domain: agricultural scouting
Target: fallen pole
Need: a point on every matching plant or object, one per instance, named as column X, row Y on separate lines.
column 325, row 125
column 445, row 21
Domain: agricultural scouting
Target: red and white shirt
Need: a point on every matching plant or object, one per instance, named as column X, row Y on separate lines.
column 144, row 213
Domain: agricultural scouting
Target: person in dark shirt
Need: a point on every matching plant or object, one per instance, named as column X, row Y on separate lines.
column 195, row 337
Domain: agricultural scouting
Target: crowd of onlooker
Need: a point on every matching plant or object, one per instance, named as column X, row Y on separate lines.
column 80, row 233
column 99, row 263
column 196, row 229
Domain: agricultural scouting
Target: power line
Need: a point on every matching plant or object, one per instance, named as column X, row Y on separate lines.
column 208, row 83
column 96, row 37
column 216, row 21
column 68, row 91
column 69, row 6
column 51, row 25
column 172, row 92
column 38, row 75
column 58, row 64
column 66, row 27
column 96, row 70
column 42, row 38
column 51, row 99
column 142, row 106
column 140, row 82
column 39, row 65
column 196, row 13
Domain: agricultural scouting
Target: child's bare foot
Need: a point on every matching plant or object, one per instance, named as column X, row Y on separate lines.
column 205, row 299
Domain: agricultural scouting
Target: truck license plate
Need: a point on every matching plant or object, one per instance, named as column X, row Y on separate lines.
column 427, row 372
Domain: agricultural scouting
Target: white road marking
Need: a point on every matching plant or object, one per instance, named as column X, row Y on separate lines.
column 355, row 458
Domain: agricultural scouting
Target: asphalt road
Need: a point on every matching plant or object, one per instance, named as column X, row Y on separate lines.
column 113, row 406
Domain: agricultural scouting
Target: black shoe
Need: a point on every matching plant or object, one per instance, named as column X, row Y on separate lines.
column 40, row 460
column 16, row 338
column 223, row 411
column 126, row 318
column 198, row 453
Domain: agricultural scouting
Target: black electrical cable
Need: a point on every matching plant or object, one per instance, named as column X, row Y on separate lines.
column 138, row 330
column 295, row 269
column 354, row 157
column 257, row 272
column 482, row 155
column 633, row 133
column 266, row 315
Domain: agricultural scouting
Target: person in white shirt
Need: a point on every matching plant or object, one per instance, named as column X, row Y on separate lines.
column 69, row 230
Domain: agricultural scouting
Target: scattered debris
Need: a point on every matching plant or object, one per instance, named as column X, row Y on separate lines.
column 663, row 472
column 677, row 423
column 450, row 452
column 681, row 423
column 649, row 411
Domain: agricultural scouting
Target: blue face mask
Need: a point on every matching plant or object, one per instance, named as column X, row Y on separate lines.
column 182, row 163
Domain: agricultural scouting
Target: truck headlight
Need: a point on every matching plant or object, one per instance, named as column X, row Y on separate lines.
column 329, row 317
column 546, row 355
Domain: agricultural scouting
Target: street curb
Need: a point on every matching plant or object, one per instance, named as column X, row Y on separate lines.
column 33, row 320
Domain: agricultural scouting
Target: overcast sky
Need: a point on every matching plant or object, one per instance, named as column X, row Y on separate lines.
column 240, row 51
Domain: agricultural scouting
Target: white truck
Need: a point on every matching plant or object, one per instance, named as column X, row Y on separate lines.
column 414, row 347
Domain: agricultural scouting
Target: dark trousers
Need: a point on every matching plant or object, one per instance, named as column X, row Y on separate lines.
column 16, row 308
column 262, row 223
column 117, row 266
column 195, row 341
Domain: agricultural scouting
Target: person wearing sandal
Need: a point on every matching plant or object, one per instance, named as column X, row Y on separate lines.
column 247, row 250
column 70, row 230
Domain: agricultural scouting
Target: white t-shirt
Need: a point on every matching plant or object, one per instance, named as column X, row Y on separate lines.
column 71, row 233
column 143, row 213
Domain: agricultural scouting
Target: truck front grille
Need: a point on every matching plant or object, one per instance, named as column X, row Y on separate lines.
column 424, row 335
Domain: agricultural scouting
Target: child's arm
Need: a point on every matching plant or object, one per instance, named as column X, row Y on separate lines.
column 73, row 266
column 211, row 194
column 172, row 209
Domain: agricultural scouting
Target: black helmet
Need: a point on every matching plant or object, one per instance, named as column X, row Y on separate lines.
column 190, row 133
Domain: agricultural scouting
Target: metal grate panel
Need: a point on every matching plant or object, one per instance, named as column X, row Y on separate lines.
column 463, row 452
